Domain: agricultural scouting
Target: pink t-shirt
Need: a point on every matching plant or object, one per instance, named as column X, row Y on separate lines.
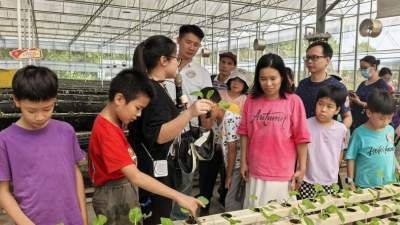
column 273, row 128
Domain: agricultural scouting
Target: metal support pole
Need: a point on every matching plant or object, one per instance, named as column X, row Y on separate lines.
column 296, row 78
column 248, row 55
column 320, row 23
column 29, row 32
column 229, row 24
column 19, row 27
column 24, row 24
column 216, row 64
column 300, row 40
column 212, row 46
column 140, row 20
column 356, row 45
column 398, row 80
column 340, row 44
column 237, row 50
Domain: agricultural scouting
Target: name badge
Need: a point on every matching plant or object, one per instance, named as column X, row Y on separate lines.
column 160, row 168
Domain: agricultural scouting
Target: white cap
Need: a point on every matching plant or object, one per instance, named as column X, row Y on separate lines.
column 242, row 74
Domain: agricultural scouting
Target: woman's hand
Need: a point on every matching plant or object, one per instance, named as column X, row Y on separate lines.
column 200, row 107
column 244, row 171
column 297, row 178
column 355, row 99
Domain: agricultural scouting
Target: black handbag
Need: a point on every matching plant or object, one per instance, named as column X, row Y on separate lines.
column 192, row 145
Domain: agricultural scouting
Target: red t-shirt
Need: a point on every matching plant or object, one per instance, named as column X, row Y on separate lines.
column 109, row 152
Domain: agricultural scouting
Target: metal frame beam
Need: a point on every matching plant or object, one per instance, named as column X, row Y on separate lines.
column 277, row 20
column 240, row 3
column 99, row 10
column 157, row 17
column 31, row 5
column 116, row 27
column 322, row 11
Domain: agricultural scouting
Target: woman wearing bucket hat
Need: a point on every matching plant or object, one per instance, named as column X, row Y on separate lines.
column 238, row 84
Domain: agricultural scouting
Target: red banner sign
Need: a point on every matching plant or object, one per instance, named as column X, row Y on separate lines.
column 26, row 53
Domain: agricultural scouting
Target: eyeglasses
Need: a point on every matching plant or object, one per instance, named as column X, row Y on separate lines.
column 179, row 60
column 313, row 58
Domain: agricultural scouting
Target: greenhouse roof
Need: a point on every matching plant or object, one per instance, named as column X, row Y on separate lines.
column 105, row 23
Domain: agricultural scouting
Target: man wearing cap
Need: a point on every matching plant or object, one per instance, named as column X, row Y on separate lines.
column 227, row 63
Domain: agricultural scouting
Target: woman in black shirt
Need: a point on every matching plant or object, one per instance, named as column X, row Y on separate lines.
column 152, row 134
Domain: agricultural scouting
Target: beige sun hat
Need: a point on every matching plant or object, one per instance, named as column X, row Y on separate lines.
column 242, row 74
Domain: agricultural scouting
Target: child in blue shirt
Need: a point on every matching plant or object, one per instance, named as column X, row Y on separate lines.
column 370, row 155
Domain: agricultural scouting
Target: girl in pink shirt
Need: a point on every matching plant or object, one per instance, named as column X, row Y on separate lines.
column 238, row 84
column 274, row 133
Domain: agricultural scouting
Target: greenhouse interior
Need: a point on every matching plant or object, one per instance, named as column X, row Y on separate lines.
column 252, row 156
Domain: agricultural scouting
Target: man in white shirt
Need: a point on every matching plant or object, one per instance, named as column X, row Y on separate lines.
column 194, row 78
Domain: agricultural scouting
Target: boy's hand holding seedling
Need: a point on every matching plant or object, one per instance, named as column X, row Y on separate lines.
column 189, row 203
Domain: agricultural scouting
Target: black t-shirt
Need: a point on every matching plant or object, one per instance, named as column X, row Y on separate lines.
column 146, row 129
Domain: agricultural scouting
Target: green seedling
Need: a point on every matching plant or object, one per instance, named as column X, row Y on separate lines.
column 364, row 208
column 375, row 197
column 336, row 189
column 209, row 94
column 358, row 190
column 222, row 104
column 308, row 220
column 60, row 224
column 203, row 200
column 253, row 197
column 200, row 94
column 375, row 221
column 334, row 209
column 300, row 212
column 319, row 193
column 228, row 217
column 135, row 215
column 269, row 219
column 197, row 93
column 308, row 204
column 100, row 220
column 347, row 195
column 166, row 221
column 294, row 193
column 386, row 208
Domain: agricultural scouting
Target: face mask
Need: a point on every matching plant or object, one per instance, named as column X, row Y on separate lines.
column 365, row 73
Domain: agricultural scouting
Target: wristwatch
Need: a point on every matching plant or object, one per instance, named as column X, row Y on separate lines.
column 349, row 180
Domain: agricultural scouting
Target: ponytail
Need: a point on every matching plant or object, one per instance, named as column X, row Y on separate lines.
column 138, row 59
column 148, row 53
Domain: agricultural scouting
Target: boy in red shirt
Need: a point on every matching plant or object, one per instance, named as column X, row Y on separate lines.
column 112, row 162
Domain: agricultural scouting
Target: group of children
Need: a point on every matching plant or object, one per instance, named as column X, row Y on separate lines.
column 268, row 144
